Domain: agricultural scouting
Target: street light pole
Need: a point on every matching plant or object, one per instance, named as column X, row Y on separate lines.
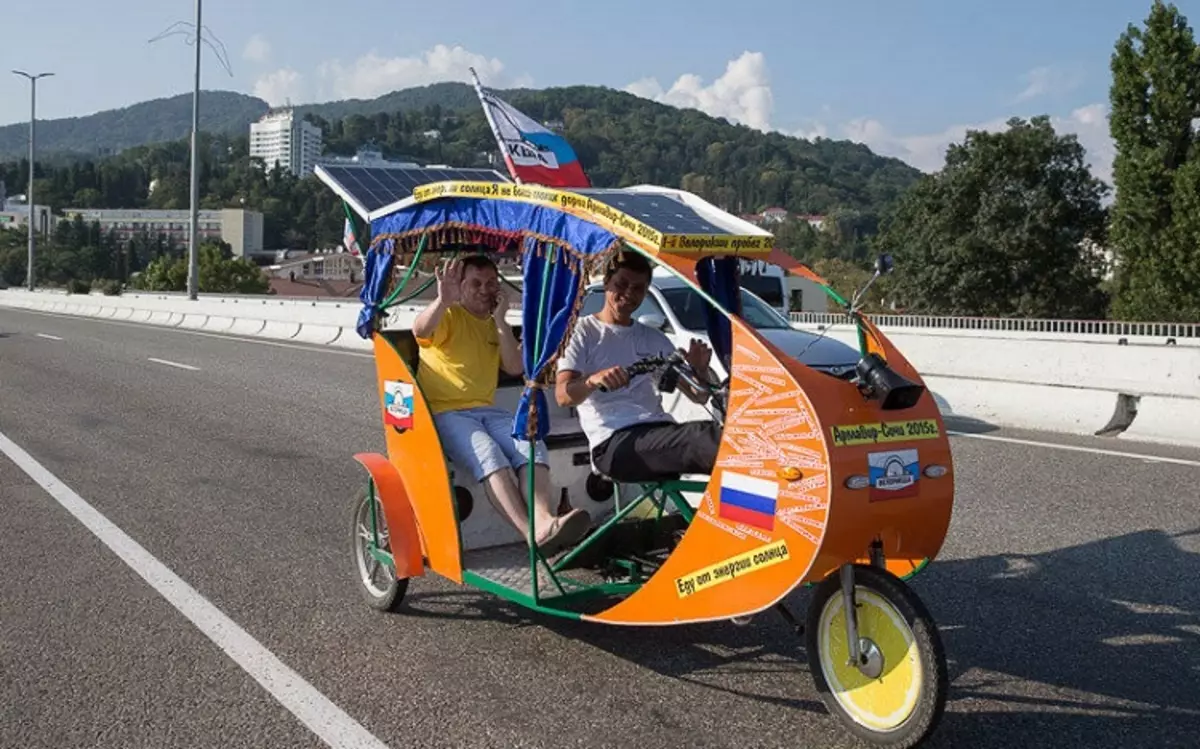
column 33, row 79
column 193, row 283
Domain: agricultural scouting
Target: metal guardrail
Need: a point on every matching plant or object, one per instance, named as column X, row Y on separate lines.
column 1022, row 325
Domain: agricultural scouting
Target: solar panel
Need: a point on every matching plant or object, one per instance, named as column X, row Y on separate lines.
column 370, row 188
column 660, row 212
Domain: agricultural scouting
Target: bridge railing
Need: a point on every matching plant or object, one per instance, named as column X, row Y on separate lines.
column 1014, row 325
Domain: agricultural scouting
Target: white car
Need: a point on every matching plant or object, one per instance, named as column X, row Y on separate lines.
column 677, row 310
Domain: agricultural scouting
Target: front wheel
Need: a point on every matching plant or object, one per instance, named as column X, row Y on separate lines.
column 897, row 696
column 377, row 579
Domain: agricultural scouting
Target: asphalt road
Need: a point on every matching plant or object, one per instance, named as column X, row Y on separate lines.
column 1068, row 593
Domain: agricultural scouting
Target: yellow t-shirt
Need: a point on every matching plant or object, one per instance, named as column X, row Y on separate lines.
column 460, row 366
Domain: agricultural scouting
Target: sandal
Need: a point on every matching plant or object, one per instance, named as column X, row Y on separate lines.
column 564, row 531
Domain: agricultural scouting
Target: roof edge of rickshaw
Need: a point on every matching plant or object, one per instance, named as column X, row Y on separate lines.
column 735, row 236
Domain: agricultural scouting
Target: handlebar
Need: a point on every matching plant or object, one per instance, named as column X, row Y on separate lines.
column 675, row 368
column 643, row 366
column 649, row 364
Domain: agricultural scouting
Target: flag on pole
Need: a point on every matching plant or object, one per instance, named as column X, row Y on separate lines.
column 534, row 154
column 349, row 237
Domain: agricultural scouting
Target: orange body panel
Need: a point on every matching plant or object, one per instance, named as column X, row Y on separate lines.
column 416, row 453
column 780, row 431
column 793, row 266
column 397, row 513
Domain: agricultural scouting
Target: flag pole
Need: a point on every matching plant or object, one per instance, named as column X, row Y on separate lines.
column 487, row 112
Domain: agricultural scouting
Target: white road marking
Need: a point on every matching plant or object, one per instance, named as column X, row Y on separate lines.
column 329, row 722
column 174, row 364
column 1078, row 448
column 48, row 336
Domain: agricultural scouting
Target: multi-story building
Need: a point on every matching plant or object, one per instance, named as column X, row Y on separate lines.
column 242, row 229
column 281, row 138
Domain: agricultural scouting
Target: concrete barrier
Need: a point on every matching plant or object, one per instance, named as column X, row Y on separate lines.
column 280, row 330
column 1165, row 420
column 247, row 326
column 1127, row 387
column 314, row 333
column 219, row 324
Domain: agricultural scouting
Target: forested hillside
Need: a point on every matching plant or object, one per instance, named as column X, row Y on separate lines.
column 621, row 140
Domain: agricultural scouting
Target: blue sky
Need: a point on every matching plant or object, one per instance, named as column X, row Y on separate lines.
column 905, row 78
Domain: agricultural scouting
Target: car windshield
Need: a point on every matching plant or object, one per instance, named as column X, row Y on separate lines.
column 689, row 306
column 768, row 288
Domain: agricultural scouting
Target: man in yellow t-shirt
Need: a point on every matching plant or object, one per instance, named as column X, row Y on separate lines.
column 465, row 341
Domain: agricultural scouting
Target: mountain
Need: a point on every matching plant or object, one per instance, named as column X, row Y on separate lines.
column 148, row 122
column 221, row 112
column 621, row 139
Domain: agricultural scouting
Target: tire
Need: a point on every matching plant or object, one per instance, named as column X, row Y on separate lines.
column 914, row 680
column 383, row 591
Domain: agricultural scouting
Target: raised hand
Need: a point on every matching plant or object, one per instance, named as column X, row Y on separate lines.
column 449, row 282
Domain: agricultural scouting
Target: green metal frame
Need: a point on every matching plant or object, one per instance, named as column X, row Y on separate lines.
column 571, row 590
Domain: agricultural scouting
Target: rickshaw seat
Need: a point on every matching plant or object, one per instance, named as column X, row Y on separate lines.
column 660, row 480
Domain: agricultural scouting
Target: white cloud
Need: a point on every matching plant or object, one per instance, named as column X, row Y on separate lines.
column 372, row 75
column 257, row 49
column 742, row 94
column 280, row 86
column 1049, row 80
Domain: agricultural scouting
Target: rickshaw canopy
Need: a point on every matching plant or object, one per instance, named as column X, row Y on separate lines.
column 560, row 236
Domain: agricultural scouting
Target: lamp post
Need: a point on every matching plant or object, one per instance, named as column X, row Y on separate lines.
column 193, row 281
column 33, row 79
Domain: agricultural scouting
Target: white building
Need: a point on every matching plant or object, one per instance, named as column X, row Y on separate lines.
column 14, row 214
column 242, row 229
column 282, row 138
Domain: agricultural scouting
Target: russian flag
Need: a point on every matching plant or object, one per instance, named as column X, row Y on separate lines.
column 534, row 154
column 747, row 499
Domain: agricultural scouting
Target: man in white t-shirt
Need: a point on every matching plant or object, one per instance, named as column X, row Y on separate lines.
column 632, row 438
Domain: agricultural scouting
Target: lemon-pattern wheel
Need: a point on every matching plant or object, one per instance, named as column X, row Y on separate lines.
column 896, row 693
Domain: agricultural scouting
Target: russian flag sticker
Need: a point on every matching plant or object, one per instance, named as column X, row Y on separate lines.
column 749, row 500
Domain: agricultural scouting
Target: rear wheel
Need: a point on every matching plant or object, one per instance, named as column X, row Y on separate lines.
column 897, row 694
column 377, row 579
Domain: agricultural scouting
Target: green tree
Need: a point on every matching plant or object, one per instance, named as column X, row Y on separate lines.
column 13, row 257
column 847, row 277
column 220, row 273
column 1002, row 230
column 1155, row 99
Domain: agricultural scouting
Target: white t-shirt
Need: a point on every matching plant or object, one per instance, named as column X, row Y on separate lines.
column 597, row 345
